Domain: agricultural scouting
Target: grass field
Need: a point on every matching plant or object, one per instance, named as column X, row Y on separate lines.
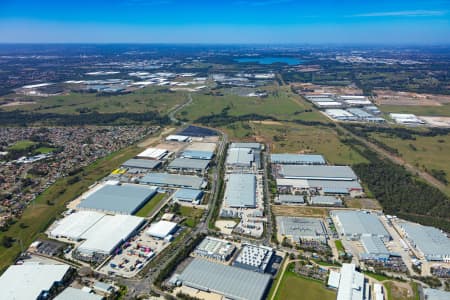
column 443, row 110
column 43, row 150
column 46, row 208
column 143, row 100
column 193, row 215
column 289, row 210
column 339, row 246
column 426, row 153
column 150, row 205
column 401, row 290
column 294, row 286
column 21, row 145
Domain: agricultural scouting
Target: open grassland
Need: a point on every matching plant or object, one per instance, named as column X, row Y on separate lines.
column 150, row 205
column 426, row 153
column 46, row 207
column 281, row 103
column 294, row 286
column 442, row 110
column 21, row 145
column 140, row 101
column 396, row 290
column 192, row 215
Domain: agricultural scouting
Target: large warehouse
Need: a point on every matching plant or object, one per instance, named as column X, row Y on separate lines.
column 343, row 173
column 352, row 285
column 188, row 195
column 240, row 157
column 297, row 159
column 173, row 180
column 73, row 226
column 118, row 199
column 354, row 224
column 153, row 153
column 254, row 258
column 433, row 243
column 146, row 164
column 197, row 154
column 162, row 229
column 189, row 165
column 32, row 280
column 300, row 229
column 240, row 191
column 108, row 233
column 231, row 282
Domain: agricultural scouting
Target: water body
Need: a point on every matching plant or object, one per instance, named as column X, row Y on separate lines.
column 269, row 60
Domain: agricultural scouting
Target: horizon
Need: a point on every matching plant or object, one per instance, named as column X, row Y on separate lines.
column 269, row 22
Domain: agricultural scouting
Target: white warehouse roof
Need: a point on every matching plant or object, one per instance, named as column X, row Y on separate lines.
column 28, row 281
column 71, row 293
column 161, row 229
column 153, row 153
column 74, row 225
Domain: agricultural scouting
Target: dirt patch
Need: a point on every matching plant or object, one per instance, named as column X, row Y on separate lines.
column 436, row 121
column 324, row 89
column 17, row 103
column 154, row 139
column 293, row 211
column 386, row 97
column 364, row 203
column 400, row 290
column 267, row 122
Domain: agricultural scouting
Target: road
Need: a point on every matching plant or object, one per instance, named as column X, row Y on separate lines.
column 176, row 109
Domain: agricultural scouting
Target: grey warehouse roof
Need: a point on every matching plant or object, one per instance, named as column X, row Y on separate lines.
column 240, row 156
column 141, row 163
column 297, row 159
column 240, row 190
column 318, row 172
column 122, row 199
column 374, row 247
column 232, row 282
column 434, row 244
column 71, row 293
column 189, row 164
column 255, row 146
column 302, row 227
column 197, row 154
column 433, row 294
column 166, row 179
column 325, row 200
column 187, row 194
column 360, row 223
column 291, row 199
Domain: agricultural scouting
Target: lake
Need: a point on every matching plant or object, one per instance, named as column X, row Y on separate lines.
column 269, row 60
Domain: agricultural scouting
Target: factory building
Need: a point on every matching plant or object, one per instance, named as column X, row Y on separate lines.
column 215, row 249
column 351, row 283
column 374, row 248
column 118, row 199
column 145, row 164
column 253, row 146
column 354, row 224
column 434, row 294
column 75, row 225
column 290, row 199
column 188, row 165
column 33, row 280
column 153, row 153
column 178, row 138
column 240, row 191
column 297, row 159
column 71, row 293
column 336, row 173
column 173, row 180
column 406, row 119
column 162, row 229
column 254, row 258
column 431, row 242
column 240, row 157
column 231, row 282
column 197, row 154
column 188, row 195
column 302, row 229
column 325, row 201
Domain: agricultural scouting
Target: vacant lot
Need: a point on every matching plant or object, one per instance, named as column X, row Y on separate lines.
column 443, row 110
column 289, row 210
column 148, row 208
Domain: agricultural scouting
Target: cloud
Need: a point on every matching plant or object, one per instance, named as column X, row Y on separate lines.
column 404, row 13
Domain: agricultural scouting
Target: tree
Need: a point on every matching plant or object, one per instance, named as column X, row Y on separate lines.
column 7, row 241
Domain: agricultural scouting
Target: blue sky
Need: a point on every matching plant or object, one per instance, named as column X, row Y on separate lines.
column 232, row 21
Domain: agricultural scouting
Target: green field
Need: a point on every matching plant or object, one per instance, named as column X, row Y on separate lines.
column 143, row 100
column 43, row 150
column 150, row 205
column 193, row 215
column 294, row 286
column 21, row 145
column 339, row 246
column 443, row 110
column 47, row 207
column 426, row 153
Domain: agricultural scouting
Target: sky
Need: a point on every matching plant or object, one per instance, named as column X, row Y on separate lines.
column 226, row 22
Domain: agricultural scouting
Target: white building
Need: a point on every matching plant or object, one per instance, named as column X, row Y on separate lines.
column 161, row 229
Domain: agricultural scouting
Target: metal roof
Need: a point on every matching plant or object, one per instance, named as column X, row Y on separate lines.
column 189, row 164
column 325, row 200
column 300, row 159
column 338, row 186
column 255, row 146
column 71, row 293
column 197, row 154
column 360, row 223
column 374, row 247
column 122, row 199
column 240, row 156
column 141, row 163
column 434, row 244
column 301, row 227
column 318, row 172
column 433, row 294
column 74, row 225
column 351, row 284
column 291, row 199
column 153, row 153
column 232, row 282
column 29, row 280
column 240, row 190
column 161, row 229
column 166, row 179
column 188, row 194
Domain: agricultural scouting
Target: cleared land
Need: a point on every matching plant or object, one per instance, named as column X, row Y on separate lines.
column 150, row 205
column 443, row 110
column 363, row 203
column 401, row 290
column 294, row 211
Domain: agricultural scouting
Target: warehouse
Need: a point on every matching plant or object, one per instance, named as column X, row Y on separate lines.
column 406, row 119
column 354, row 224
column 197, row 154
column 153, row 153
column 240, row 157
column 231, row 282
column 73, row 226
column 326, row 201
column 188, row 195
column 173, row 180
column 343, row 173
column 340, row 114
column 118, row 199
column 71, row 293
column 188, row 165
column 431, row 242
column 335, row 187
column 374, row 248
column 240, row 191
column 32, row 280
column 215, row 249
column 107, row 234
column 254, row 146
column 352, row 285
column 254, row 258
column 327, row 104
column 290, row 199
column 297, row 159
column 162, row 229
column 178, row 138
column 302, row 229
column 146, row 164
column 434, row 294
